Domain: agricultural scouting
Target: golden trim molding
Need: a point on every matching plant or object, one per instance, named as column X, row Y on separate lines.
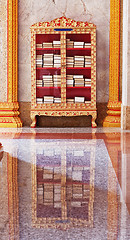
column 114, row 105
column 9, row 114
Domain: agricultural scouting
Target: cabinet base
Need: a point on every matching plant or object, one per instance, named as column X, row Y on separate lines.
column 65, row 114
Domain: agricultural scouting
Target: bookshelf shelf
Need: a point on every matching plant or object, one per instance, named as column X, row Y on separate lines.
column 66, row 87
column 78, row 87
column 45, row 88
column 77, row 49
column 78, row 68
column 47, row 49
column 63, row 69
column 52, row 68
column 48, row 91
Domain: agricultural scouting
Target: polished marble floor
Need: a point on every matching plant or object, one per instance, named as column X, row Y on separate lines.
column 71, row 183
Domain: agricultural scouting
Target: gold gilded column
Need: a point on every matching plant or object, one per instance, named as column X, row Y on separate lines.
column 9, row 114
column 114, row 105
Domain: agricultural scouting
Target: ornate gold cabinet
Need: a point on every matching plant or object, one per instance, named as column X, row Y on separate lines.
column 63, row 69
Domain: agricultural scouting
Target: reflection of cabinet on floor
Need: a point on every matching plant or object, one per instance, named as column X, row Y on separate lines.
column 63, row 183
column 63, row 69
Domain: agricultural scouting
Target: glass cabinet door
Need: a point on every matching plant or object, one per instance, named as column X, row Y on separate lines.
column 48, row 68
column 78, row 68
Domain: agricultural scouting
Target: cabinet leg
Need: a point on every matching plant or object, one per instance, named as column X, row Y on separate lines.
column 33, row 125
column 94, row 125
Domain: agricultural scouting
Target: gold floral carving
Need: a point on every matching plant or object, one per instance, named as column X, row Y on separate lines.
column 63, row 22
column 63, row 109
column 114, row 106
column 9, row 114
